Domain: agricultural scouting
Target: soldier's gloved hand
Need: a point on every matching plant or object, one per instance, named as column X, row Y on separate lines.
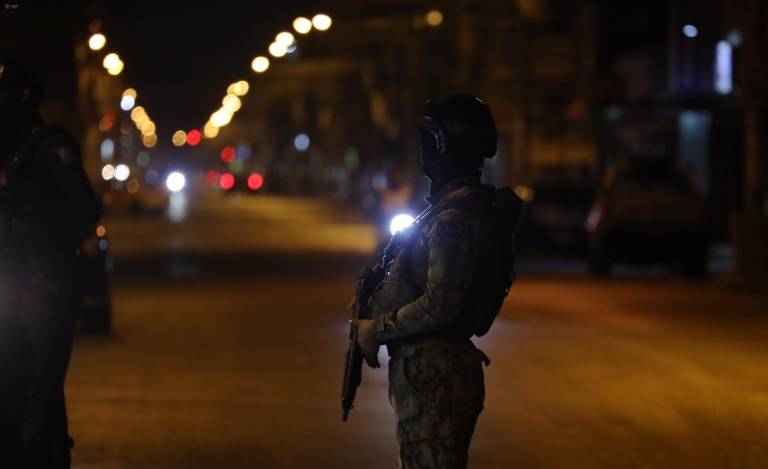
column 366, row 341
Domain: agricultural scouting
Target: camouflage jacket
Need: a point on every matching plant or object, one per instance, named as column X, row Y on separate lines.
column 428, row 288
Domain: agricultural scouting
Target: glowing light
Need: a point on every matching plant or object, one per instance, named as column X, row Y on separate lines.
column 210, row 130
column 228, row 154
column 260, row 64
column 107, row 149
column 525, row 193
column 227, row 181
column 106, row 122
column 149, row 141
column 321, row 22
column 130, row 92
column 101, row 231
column 255, row 181
column 434, row 18
column 690, row 30
column 97, row 41
column 137, row 112
column 285, row 38
column 108, row 172
column 111, row 60
column 231, row 103
column 127, row 103
column 122, row 172
column 278, row 50
column 175, row 181
column 240, row 88
column 193, row 137
column 221, row 118
column 301, row 142
column 724, row 67
column 302, row 25
column 179, row 138
column 400, row 222
column 116, row 69
column 148, row 128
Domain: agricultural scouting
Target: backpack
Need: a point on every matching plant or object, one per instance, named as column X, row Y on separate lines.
column 495, row 273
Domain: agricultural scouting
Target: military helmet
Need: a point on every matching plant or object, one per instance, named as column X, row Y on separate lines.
column 459, row 125
column 19, row 84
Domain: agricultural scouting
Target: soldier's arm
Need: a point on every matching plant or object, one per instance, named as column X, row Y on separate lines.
column 452, row 242
column 80, row 203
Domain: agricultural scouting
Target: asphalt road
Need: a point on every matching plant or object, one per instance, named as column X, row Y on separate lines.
column 230, row 330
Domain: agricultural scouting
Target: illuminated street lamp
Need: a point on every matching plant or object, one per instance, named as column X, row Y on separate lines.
column 179, row 138
column 210, row 130
column 321, row 22
column 231, row 103
column 97, row 41
column 114, row 71
column 285, row 38
column 111, row 60
column 221, row 117
column 260, row 64
column 302, row 25
column 277, row 49
column 434, row 18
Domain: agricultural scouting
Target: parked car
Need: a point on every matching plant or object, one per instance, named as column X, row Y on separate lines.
column 555, row 215
column 648, row 211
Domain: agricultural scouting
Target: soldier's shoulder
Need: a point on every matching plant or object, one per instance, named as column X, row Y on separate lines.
column 59, row 142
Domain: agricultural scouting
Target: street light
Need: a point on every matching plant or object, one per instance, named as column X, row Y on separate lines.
column 285, row 38
column 179, row 138
column 302, row 25
column 111, row 60
column 231, row 103
column 260, row 64
column 114, row 71
column 321, row 22
column 97, row 41
column 277, row 49
column 434, row 18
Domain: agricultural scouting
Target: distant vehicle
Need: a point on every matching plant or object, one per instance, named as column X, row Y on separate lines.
column 648, row 211
column 555, row 214
column 147, row 198
column 94, row 265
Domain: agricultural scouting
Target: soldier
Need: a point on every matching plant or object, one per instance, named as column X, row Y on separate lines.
column 425, row 309
column 45, row 202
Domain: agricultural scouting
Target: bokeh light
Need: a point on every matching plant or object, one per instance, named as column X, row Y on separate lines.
column 277, row 49
column 434, row 18
column 97, row 41
column 179, row 138
column 228, row 154
column 260, row 64
column 193, row 137
column 255, row 181
column 227, row 181
column 321, row 22
column 302, row 25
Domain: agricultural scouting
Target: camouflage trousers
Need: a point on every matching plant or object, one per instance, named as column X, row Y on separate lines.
column 437, row 392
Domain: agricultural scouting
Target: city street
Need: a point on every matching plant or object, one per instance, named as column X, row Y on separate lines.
column 230, row 330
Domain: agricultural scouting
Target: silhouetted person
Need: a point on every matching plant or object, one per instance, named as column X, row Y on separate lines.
column 45, row 202
column 446, row 277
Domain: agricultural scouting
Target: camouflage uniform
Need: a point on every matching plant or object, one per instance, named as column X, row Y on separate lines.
column 423, row 314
